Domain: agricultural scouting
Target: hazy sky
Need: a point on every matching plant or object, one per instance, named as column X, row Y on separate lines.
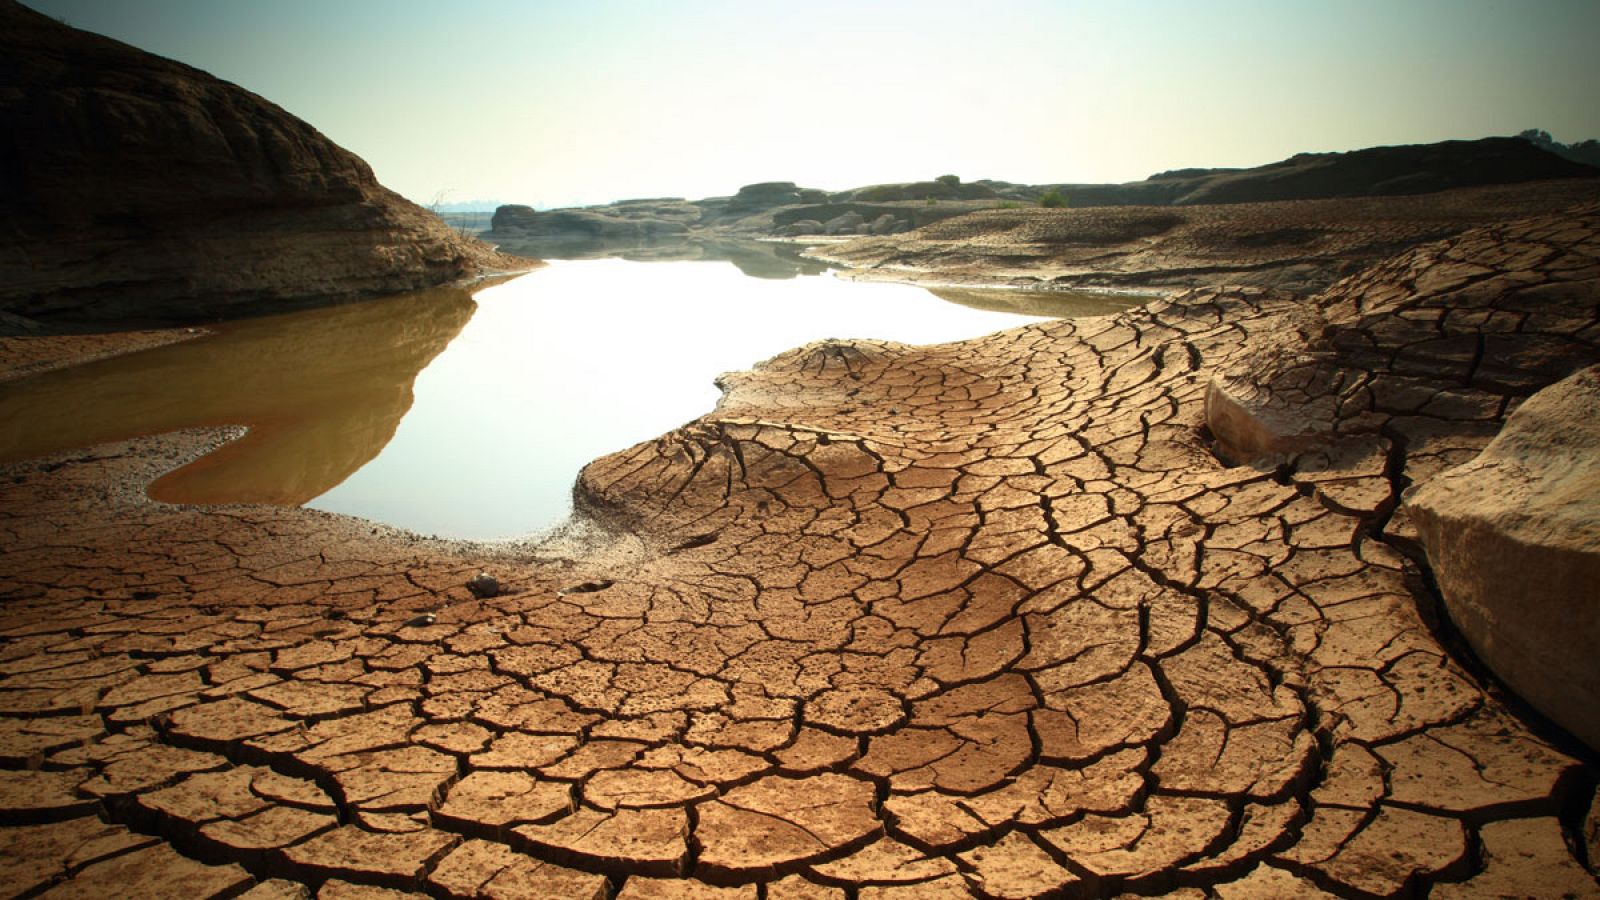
column 553, row 103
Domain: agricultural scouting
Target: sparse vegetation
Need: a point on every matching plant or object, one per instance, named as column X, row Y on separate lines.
column 1052, row 199
column 1586, row 152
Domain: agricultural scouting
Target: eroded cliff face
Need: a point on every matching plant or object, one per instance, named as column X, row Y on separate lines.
column 134, row 187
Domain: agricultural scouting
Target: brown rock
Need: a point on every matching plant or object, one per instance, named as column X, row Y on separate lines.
column 1514, row 540
column 134, row 219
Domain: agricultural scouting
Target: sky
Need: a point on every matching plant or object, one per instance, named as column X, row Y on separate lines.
column 562, row 103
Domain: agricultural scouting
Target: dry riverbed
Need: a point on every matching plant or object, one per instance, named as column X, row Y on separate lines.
column 996, row 618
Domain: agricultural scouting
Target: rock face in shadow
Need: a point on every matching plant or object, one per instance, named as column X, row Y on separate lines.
column 1514, row 540
column 136, row 188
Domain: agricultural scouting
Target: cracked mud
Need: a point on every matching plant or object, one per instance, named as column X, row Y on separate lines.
column 992, row 619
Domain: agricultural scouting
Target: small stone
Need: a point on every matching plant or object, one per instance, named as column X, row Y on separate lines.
column 483, row 586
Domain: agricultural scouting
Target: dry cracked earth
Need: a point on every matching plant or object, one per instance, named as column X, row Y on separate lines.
column 1000, row 618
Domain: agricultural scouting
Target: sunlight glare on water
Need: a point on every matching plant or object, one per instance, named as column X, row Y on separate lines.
column 581, row 359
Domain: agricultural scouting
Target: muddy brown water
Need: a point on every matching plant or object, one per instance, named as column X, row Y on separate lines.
column 469, row 417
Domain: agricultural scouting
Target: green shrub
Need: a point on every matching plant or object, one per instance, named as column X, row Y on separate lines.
column 949, row 180
column 1009, row 204
column 1052, row 199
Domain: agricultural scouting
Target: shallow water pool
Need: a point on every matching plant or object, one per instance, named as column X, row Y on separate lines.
column 471, row 420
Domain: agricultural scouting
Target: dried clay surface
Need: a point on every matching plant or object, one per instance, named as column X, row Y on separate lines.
column 993, row 618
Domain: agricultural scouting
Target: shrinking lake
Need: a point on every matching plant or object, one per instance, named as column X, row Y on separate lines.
column 442, row 416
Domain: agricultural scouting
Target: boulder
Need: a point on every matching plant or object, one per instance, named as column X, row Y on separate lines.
column 843, row 224
column 1514, row 541
column 138, row 187
column 764, row 195
column 483, row 585
column 802, row 227
column 884, row 224
column 596, row 222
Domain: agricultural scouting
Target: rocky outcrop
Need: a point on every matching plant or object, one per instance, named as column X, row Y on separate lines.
column 1393, row 377
column 1513, row 538
column 769, row 194
column 632, row 221
column 1303, row 246
column 134, row 187
column 1295, row 240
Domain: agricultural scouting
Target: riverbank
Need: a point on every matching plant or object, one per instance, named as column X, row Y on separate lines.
column 1016, row 616
column 1301, row 245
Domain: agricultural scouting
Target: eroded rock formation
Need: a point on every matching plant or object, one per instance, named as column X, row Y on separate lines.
column 979, row 619
column 136, row 188
column 1513, row 538
column 1303, row 237
column 1302, row 246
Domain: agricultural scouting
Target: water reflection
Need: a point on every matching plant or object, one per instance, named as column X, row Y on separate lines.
column 1054, row 304
column 581, row 359
column 361, row 409
column 757, row 259
column 322, row 391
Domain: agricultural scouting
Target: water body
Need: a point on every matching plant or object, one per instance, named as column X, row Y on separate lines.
column 432, row 414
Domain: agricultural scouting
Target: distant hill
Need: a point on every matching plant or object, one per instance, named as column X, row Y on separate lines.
column 1374, row 172
column 784, row 209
